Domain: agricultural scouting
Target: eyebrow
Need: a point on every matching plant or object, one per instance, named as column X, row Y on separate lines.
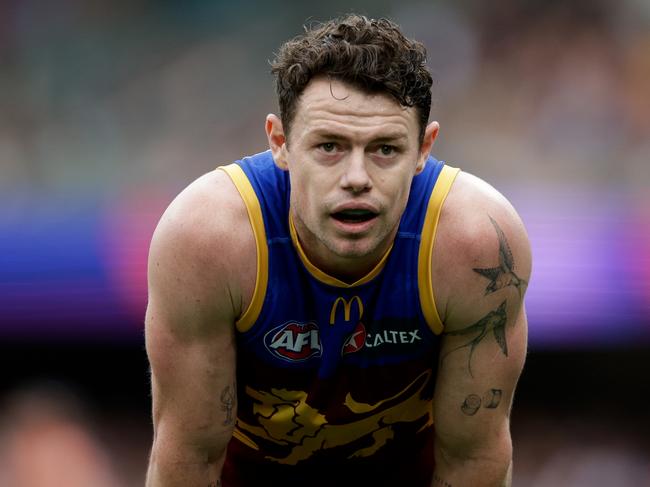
column 388, row 137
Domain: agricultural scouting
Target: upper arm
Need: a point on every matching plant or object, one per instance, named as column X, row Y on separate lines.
column 196, row 293
column 483, row 257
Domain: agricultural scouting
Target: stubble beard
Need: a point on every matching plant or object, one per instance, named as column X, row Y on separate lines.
column 351, row 249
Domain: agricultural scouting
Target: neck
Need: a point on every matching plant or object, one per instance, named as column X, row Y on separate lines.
column 327, row 265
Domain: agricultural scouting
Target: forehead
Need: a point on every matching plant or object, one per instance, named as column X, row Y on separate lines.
column 333, row 105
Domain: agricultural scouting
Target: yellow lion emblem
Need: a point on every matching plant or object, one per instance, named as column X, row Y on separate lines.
column 286, row 419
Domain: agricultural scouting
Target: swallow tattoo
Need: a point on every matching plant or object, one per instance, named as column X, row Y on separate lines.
column 494, row 321
column 504, row 274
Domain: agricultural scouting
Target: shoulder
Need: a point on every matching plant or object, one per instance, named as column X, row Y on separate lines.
column 472, row 212
column 209, row 208
column 479, row 236
column 202, row 251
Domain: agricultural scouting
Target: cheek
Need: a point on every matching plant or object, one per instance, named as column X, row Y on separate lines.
column 310, row 186
column 401, row 187
column 400, row 196
column 303, row 194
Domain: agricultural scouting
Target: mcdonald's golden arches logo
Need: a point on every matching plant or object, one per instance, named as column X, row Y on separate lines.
column 347, row 308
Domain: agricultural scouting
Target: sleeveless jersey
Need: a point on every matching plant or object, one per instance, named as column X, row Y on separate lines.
column 335, row 377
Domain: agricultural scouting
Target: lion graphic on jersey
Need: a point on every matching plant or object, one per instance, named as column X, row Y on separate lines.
column 285, row 418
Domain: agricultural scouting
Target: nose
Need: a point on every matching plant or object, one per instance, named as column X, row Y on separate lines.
column 355, row 176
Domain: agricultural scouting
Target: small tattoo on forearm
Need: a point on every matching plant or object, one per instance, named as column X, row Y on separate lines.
column 471, row 405
column 492, row 398
column 504, row 274
column 473, row 402
column 496, row 321
column 440, row 482
column 228, row 399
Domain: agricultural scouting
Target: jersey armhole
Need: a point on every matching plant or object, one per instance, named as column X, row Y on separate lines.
column 243, row 185
column 425, row 254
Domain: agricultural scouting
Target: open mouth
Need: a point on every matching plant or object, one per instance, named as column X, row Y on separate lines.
column 354, row 216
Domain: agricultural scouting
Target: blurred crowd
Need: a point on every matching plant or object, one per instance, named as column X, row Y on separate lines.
column 47, row 440
column 97, row 95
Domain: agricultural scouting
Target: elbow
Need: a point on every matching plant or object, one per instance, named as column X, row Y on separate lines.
column 169, row 450
column 175, row 464
column 497, row 459
column 492, row 461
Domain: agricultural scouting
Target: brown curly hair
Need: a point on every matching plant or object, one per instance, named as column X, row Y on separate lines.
column 370, row 54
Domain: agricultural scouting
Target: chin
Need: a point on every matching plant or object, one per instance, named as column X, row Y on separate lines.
column 354, row 249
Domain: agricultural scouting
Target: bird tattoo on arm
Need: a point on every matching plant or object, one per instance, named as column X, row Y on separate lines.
column 494, row 321
column 502, row 275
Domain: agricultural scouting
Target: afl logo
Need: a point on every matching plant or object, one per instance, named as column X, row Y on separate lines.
column 294, row 342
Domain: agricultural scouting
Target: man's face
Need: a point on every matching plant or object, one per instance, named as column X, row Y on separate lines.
column 351, row 157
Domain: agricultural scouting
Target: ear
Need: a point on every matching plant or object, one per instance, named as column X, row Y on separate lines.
column 430, row 134
column 277, row 140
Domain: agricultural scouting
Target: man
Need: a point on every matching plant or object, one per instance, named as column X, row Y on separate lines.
column 342, row 309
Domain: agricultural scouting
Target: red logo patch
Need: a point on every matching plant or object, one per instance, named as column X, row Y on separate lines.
column 355, row 341
column 293, row 341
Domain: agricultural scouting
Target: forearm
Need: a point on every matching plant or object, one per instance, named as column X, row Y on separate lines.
column 175, row 467
column 486, row 471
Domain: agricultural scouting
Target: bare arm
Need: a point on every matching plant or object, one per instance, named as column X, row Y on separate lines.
column 194, row 299
column 484, row 343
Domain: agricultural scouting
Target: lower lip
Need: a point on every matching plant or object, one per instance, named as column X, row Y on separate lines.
column 354, row 227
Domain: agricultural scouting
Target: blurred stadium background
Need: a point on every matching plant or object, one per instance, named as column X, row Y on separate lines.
column 108, row 109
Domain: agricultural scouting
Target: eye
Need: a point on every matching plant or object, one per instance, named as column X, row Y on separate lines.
column 387, row 150
column 328, row 147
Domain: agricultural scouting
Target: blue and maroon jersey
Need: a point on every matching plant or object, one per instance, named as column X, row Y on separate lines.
column 335, row 377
